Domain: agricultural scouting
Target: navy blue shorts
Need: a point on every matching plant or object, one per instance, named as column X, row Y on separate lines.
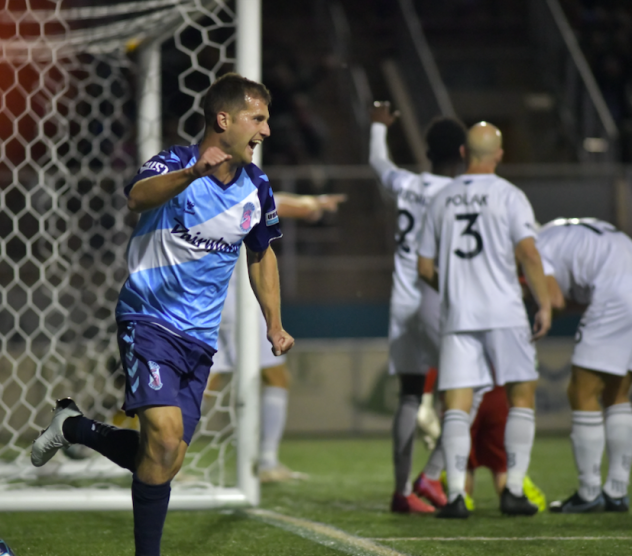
column 163, row 368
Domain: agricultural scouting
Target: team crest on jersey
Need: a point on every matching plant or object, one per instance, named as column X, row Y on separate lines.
column 154, row 382
column 272, row 218
column 246, row 217
column 155, row 166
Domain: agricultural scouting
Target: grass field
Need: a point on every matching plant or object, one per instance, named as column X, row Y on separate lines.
column 348, row 491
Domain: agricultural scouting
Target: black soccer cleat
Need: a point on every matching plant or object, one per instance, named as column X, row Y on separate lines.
column 616, row 504
column 455, row 509
column 510, row 504
column 52, row 438
column 577, row 505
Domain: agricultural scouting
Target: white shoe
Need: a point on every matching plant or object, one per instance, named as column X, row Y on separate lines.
column 280, row 473
column 52, row 438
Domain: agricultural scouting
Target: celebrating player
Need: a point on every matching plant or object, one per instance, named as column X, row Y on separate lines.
column 477, row 227
column 414, row 309
column 197, row 205
column 274, row 372
column 589, row 262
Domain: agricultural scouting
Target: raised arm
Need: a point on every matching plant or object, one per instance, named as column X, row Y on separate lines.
column 264, row 278
column 529, row 258
column 155, row 191
column 381, row 118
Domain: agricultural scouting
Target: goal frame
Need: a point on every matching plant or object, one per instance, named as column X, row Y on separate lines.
column 247, row 373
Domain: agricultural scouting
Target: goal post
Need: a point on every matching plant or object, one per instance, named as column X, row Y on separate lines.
column 75, row 95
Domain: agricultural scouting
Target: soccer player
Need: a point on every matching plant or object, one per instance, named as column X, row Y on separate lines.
column 589, row 262
column 476, row 227
column 274, row 372
column 414, row 307
column 197, row 205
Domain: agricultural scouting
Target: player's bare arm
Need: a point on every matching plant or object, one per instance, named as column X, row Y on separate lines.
column 555, row 294
column 428, row 272
column 529, row 258
column 381, row 113
column 264, row 278
column 155, row 191
column 306, row 207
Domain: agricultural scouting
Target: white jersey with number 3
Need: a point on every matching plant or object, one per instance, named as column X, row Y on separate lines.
column 472, row 227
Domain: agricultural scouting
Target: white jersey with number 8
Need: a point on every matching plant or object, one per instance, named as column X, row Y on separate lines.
column 472, row 227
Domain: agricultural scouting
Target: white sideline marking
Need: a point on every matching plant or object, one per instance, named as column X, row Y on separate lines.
column 449, row 539
column 324, row 534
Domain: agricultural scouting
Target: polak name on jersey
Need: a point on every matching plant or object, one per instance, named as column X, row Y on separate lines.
column 209, row 245
column 155, row 166
column 464, row 200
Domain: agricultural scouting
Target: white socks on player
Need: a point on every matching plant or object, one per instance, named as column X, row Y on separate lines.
column 436, row 461
column 619, row 443
column 519, row 434
column 456, row 441
column 588, row 439
column 273, row 414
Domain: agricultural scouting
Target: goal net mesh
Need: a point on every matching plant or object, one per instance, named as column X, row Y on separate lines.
column 67, row 140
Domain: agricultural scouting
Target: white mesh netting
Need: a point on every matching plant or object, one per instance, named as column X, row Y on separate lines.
column 67, row 125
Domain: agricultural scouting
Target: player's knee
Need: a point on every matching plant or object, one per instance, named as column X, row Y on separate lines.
column 278, row 376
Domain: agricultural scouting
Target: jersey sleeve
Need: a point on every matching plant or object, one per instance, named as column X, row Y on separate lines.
column 427, row 238
column 268, row 229
column 163, row 163
column 521, row 218
column 390, row 175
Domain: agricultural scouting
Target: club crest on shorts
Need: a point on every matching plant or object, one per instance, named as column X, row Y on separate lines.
column 154, row 382
column 246, row 217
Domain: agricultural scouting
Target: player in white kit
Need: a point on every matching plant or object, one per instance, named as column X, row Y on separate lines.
column 275, row 376
column 476, row 228
column 589, row 262
column 414, row 307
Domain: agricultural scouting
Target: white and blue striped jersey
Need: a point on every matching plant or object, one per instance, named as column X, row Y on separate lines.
column 182, row 254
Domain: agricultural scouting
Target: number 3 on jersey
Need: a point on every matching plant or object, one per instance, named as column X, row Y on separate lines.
column 470, row 218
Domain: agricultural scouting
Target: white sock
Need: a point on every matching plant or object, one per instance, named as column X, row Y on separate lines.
column 519, row 434
column 456, row 442
column 273, row 413
column 436, row 462
column 619, row 445
column 589, row 439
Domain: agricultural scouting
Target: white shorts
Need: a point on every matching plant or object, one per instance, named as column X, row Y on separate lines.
column 604, row 336
column 225, row 359
column 486, row 357
column 413, row 334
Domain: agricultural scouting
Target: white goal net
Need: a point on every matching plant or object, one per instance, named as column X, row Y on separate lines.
column 79, row 93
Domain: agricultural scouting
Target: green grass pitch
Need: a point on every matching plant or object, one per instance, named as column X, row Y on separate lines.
column 349, row 489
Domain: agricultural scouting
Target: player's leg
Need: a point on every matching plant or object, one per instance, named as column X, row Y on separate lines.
column 403, row 431
column 274, row 402
column 161, row 453
column 618, row 426
column 463, row 367
column 513, row 358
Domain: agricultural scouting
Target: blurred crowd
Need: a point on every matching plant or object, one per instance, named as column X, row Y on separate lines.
column 604, row 31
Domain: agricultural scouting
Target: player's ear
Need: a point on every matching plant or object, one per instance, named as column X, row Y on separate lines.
column 462, row 151
column 222, row 121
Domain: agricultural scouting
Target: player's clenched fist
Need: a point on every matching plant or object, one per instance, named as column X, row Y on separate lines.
column 381, row 113
column 209, row 160
column 281, row 342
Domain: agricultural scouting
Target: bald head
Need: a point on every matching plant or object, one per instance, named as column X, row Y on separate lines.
column 484, row 143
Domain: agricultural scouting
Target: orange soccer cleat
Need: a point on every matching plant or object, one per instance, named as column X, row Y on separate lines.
column 409, row 505
column 431, row 490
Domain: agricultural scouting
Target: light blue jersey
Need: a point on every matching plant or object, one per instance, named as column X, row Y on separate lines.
column 183, row 253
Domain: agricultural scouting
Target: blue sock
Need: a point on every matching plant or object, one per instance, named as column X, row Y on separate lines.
column 118, row 445
column 150, row 511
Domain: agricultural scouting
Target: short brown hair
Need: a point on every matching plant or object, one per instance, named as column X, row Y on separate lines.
column 228, row 93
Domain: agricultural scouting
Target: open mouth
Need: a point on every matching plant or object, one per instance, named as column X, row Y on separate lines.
column 253, row 144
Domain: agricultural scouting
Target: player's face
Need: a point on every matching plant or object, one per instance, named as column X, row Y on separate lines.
column 248, row 128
